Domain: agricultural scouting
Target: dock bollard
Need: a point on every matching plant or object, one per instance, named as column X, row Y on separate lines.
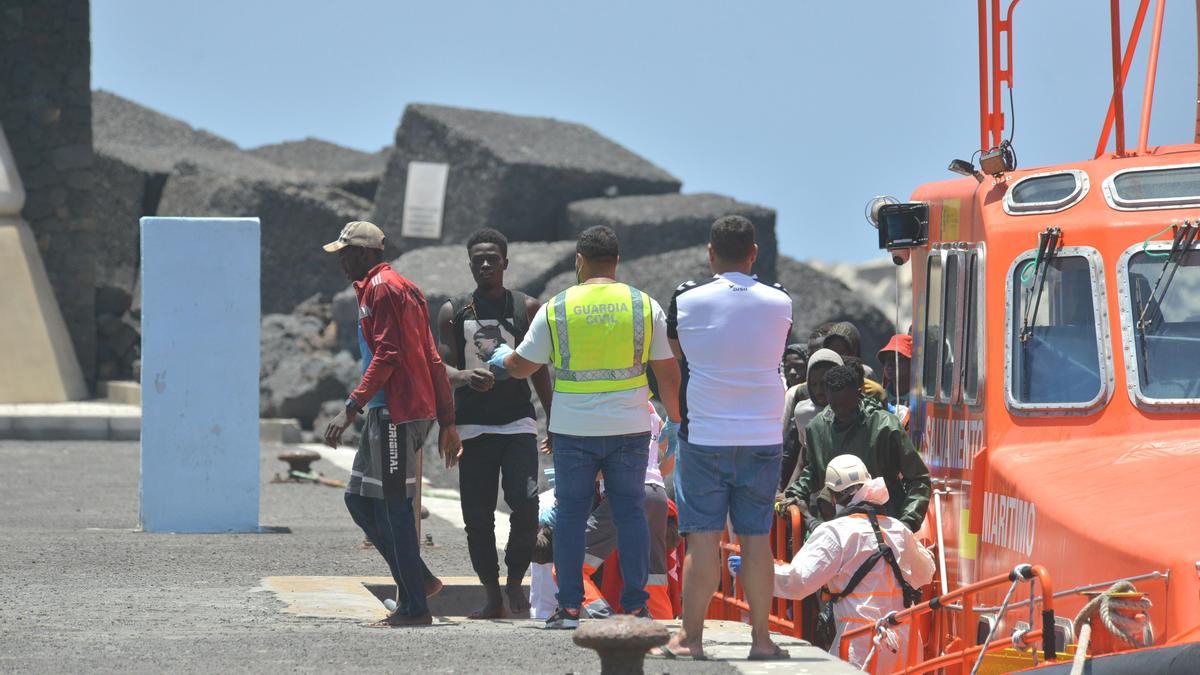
column 622, row 642
column 300, row 460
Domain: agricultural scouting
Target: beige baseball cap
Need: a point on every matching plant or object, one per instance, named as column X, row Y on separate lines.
column 358, row 233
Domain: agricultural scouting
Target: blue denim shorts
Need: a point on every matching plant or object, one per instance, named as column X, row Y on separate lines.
column 713, row 483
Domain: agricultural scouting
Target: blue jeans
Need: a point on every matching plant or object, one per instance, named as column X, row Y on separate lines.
column 713, row 483
column 391, row 526
column 577, row 460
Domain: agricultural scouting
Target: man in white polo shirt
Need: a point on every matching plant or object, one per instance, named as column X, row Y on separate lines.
column 729, row 331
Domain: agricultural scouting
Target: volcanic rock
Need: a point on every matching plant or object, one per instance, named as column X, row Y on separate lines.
column 514, row 173
column 441, row 273
column 296, row 221
column 352, row 170
column 649, row 224
column 875, row 282
column 118, row 201
column 153, row 142
column 816, row 297
column 317, row 157
column 819, row 298
column 112, row 301
column 300, row 383
column 285, row 335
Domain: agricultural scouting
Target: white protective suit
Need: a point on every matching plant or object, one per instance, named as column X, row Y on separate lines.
column 835, row 550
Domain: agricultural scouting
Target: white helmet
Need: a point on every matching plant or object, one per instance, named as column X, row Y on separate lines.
column 845, row 472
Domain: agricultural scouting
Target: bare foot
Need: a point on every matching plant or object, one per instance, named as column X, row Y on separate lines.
column 768, row 652
column 517, row 602
column 433, row 586
column 677, row 648
column 398, row 620
column 493, row 606
column 488, row 611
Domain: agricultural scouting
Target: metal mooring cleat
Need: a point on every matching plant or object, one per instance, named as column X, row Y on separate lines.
column 300, row 460
column 622, row 642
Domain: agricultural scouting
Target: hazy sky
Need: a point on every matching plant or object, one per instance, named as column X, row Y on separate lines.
column 810, row 108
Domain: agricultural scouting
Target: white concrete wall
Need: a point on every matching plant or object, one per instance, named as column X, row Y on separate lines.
column 200, row 362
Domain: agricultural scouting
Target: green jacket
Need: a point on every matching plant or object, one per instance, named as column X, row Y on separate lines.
column 877, row 438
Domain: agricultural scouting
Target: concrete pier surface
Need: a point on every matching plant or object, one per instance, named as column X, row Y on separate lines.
column 82, row 591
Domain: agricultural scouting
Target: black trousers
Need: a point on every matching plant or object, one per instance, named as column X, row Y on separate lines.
column 511, row 461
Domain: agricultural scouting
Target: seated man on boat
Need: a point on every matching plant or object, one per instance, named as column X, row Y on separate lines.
column 852, row 425
column 849, row 556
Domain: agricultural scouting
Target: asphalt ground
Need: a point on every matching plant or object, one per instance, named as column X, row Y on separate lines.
column 82, row 591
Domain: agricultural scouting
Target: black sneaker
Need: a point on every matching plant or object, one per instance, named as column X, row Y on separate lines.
column 642, row 613
column 563, row 619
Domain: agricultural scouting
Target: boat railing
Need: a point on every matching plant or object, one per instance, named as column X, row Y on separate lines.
column 956, row 653
column 729, row 602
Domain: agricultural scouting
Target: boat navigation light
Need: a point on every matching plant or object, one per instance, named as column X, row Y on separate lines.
column 872, row 210
column 964, row 168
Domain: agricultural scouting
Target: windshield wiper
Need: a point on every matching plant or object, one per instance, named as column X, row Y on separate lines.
column 1048, row 243
column 1185, row 236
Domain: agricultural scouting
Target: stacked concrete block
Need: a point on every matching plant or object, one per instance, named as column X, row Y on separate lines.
column 153, row 142
column 296, row 221
column 352, row 170
column 514, row 173
column 650, row 224
column 442, row 273
column 817, row 298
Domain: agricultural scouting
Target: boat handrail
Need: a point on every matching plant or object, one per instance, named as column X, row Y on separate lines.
column 1070, row 591
column 914, row 662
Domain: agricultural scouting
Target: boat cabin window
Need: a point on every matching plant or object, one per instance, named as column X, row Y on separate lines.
column 952, row 301
column 1046, row 192
column 1157, row 188
column 931, row 355
column 948, row 353
column 972, row 326
column 1165, row 325
column 1054, row 346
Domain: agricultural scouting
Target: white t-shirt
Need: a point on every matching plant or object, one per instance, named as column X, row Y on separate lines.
column 653, row 472
column 613, row 413
column 732, row 330
column 525, row 425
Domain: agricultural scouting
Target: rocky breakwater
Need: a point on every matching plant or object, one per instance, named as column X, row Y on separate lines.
column 817, row 298
column 511, row 172
column 300, row 370
column 152, row 164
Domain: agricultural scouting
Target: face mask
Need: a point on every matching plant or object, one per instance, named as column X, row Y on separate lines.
column 840, row 509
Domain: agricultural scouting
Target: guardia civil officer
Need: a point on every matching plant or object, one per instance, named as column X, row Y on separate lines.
column 600, row 336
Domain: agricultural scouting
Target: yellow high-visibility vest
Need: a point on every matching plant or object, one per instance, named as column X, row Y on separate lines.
column 601, row 336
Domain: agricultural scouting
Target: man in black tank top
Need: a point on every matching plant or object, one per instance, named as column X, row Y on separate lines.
column 496, row 420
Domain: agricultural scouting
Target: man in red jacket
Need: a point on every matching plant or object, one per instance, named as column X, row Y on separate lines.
column 406, row 368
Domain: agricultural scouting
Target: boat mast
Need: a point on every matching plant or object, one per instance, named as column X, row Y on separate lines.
column 1120, row 66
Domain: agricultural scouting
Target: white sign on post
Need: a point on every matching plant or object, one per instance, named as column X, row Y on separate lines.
column 424, row 197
